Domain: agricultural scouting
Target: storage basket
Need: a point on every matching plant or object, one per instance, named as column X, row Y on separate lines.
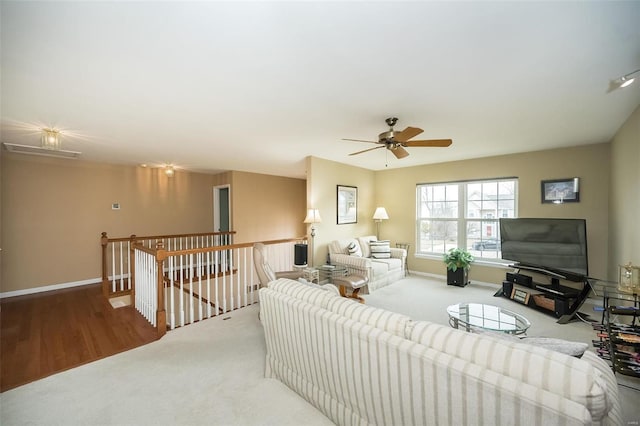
column 544, row 302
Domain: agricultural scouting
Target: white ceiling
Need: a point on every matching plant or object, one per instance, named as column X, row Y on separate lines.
column 258, row 86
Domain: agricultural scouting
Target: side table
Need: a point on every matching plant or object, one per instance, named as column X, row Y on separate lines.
column 311, row 274
column 328, row 272
column 406, row 261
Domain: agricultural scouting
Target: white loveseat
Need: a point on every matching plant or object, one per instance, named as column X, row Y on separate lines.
column 361, row 365
column 379, row 272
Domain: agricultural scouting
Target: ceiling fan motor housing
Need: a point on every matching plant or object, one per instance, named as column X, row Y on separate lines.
column 386, row 137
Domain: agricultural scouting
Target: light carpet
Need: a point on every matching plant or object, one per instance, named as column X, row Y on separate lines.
column 212, row 372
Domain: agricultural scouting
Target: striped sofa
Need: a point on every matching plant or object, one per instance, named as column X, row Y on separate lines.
column 361, row 365
column 379, row 272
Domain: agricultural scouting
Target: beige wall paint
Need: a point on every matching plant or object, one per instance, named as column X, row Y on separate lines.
column 53, row 212
column 396, row 190
column 323, row 177
column 624, row 225
column 266, row 207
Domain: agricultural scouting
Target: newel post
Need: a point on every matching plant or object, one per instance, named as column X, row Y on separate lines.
column 132, row 267
column 104, row 241
column 161, row 314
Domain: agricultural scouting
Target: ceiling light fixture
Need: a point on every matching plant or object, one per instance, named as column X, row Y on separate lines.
column 50, row 145
column 624, row 81
column 169, row 171
column 51, row 139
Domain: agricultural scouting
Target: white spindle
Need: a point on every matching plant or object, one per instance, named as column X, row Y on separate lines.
column 181, row 292
column 121, row 269
column 216, row 281
column 113, row 268
column 128, row 265
column 191, row 290
column 199, row 261
column 209, row 284
column 172, row 313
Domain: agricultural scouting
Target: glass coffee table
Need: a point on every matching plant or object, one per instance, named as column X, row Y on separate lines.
column 487, row 317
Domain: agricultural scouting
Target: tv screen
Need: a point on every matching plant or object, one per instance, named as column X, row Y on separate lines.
column 555, row 245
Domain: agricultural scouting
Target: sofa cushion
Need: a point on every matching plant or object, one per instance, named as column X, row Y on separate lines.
column 364, row 244
column 354, row 249
column 380, row 318
column 315, row 296
column 378, row 269
column 380, row 249
column 341, row 246
column 558, row 373
column 392, row 263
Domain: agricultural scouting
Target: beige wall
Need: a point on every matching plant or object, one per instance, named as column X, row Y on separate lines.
column 396, row 190
column 624, row 226
column 53, row 212
column 323, row 177
column 267, row 207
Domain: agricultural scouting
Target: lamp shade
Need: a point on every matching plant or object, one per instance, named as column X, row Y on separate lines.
column 313, row 216
column 380, row 214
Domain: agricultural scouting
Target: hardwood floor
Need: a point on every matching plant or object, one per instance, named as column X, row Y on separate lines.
column 46, row 333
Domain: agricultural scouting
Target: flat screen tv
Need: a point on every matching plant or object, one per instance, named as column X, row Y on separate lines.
column 558, row 246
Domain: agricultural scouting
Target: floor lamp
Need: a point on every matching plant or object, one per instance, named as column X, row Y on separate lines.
column 313, row 217
column 379, row 215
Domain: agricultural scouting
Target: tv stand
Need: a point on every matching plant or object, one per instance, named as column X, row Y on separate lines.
column 556, row 299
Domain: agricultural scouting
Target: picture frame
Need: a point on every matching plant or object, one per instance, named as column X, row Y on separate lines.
column 347, row 204
column 559, row 191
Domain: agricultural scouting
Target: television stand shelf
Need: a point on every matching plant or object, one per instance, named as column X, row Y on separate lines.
column 561, row 301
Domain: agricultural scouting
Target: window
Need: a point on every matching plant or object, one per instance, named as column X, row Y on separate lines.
column 464, row 214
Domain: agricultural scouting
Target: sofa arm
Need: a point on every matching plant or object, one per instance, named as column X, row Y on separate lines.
column 355, row 264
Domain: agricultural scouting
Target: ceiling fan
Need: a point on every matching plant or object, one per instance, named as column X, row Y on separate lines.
column 396, row 142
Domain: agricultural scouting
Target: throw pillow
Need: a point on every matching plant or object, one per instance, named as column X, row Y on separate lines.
column 564, row 346
column 354, row 249
column 380, row 249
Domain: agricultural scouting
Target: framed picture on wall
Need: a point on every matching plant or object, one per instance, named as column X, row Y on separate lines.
column 558, row 191
column 347, row 204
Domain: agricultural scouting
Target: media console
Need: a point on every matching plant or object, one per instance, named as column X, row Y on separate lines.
column 559, row 300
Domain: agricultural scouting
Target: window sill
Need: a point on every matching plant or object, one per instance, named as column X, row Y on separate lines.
column 498, row 263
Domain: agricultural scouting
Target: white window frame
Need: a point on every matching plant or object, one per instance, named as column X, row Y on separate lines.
column 462, row 218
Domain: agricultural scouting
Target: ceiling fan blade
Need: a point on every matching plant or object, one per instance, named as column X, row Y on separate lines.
column 407, row 134
column 433, row 142
column 358, row 140
column 366, row 150
column 399, row 152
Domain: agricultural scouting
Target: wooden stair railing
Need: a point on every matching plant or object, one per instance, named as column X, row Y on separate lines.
column 174, row 288
column 116, row 268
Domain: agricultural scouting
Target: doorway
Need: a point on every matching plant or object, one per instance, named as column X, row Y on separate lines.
column 221, row 208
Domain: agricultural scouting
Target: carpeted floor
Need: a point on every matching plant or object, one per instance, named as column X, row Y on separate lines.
column 212, row 372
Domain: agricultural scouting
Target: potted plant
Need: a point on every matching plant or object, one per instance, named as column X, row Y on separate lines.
column 458, row 261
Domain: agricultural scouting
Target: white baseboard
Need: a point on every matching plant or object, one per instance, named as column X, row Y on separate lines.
column 49, row 288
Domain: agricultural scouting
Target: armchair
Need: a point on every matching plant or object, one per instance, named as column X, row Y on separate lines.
column 264, row 270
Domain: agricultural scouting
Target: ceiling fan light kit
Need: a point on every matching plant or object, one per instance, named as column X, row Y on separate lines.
column 396, row 142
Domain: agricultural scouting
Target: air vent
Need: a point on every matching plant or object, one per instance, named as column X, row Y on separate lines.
column 36, row 150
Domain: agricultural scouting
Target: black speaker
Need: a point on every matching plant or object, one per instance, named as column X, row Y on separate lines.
column 300, row 254
column 507, row 286
column 561, row 306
